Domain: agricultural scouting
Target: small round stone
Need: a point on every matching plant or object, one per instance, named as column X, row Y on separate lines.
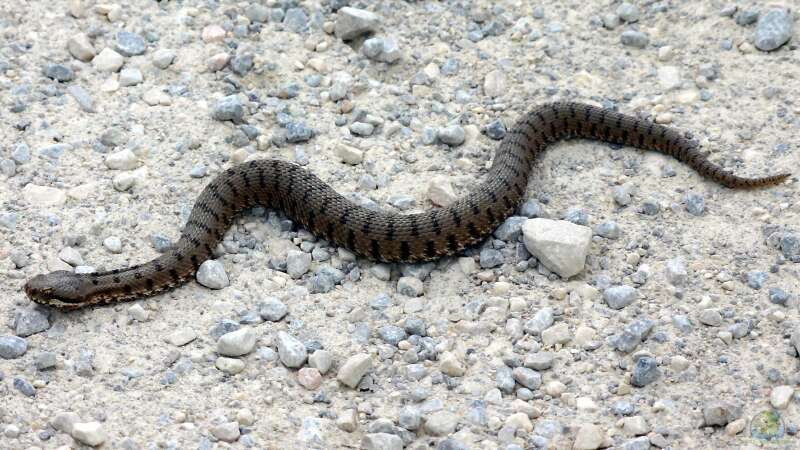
column 228, row 108
column 12, row 347
column 452, row 135
column 130, row 44
column 310, row 378
column 237, row 343
column 291, row 351
column 59, row 72
column 211, row 274
column 635, row 39
column 272, row 309
column 645, row 371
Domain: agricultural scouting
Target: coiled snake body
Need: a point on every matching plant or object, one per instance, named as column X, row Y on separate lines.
column 378, row 235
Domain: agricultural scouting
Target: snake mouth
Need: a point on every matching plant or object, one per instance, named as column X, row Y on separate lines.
column 54, row 290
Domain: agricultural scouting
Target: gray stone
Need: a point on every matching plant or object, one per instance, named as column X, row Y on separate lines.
column 632, row 335
column 354, row 369
column 325, row 279
column 618, row 297
column 778, row 296
column 490, row 258
column 362, row 128
column 608, row 230
column 695, row 204
column 410, row 286
column 226, row 432
column 24, row 387
column 30, row 321
column 291, row 351
column 635, row 39
column 645, row 371
column 720, row 413
column 297, row 263
column 297, row 132
column 130, row 44
column 381, row 441
column 441, row 423
column 628, row 12
column 59, row 72
column 82, row 97
column 391, row 334
column 539, row 360
column 130, row 76
column 228, row 108
column 163, row 58
column 296, row 20
column 272, row 309
column 410, row 418
column 354, row 22
column 541, row 321
column 212, row 275
column 452, row 135
column 756, row 279
column 774, row 29
column 676, row 272
column 529, row 378
column 12, row 347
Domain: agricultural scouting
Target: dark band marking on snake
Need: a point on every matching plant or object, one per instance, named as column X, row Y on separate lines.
column 384, row 236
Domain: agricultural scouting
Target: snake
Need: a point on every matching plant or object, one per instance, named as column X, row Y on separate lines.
column 378, row 235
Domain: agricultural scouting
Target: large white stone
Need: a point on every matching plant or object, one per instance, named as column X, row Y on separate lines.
column 560, row 245
column 108, row 60
column 43, row 195
column 90, row 433
column 353, row 369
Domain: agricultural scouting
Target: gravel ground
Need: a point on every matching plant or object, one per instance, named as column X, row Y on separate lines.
column 678, row 328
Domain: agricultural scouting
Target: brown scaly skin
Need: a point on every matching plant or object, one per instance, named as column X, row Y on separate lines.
column 378, row 235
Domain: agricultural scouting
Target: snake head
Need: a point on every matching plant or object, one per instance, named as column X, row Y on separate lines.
column 60, row 289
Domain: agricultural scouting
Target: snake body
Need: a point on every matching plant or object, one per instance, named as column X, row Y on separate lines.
column 378, row 235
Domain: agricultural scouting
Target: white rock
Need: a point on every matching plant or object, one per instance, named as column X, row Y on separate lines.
column 181, row 336
column 70, row 256
column 89, row 433
column 108, row 60
column 520, row 421
column 211, row 274
column 589, row 437
column 126, row 180
column 354, row 22
column 137, row 312
column 231, row 366
column 80, row 47
column 130, row 77
column 65, row 422
column 156, row 97
column 43, row 196
column 291, row 351
column 381, row 441
column 635, row 426
column 348, row 420
column 560, row 245
column 450, row 365
column 557, row 334
column 121, row 160
column 321, row 360
column 349, row 155
column 237, row 343
column 226, row 432
column 441, row 193
column 669, row 77
column 781, row 396
column 354, row 369
column 494, row 85
column 163, row 58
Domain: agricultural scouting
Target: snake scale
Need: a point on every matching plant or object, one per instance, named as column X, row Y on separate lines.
column 383, row 236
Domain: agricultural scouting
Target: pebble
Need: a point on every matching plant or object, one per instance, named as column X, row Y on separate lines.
column 231, row 366
column 756, row 279
column 113, row 244
column 441, row 423
column 272, row 309
column 529, row 378
column 163, row 58
column 89, row 433
column 82, row 97
column 382, row 49
column 453, row 135
column 557, row 334
column 589, row 437
column 70, row 256
column 130, row 77
column 441, row 193
column 130, row 44
column 494, row 84
column 295, row 20
column 22, row 153
column 675, row 272
column 297, row 263
column 80, row 47
column 608, row 230
column 297, row 132
column 12, row 347
column 226, row 432
column 59, row 72
column 774, row 29
column 628, row 12
column 310, row 378
column 108, row 61
column 720, row 413
column 695, row 204
column 781, row 396
column 212, row 275
column 560, row 245
column 45, row 360
column 122, row 160
column 291, row 351
column 645, row 371
column 381, row 441
column 353, row 22
column 778, row 296
column 24, row 387
column 542, row 320
column 351, row 372
column 450, row 365
column 138, row 313
column 635, row 39
column 237, row 343
column 228, row 108
column 30, row 321
column 362, row 128
column 322, row 360
column 410, row 286
column 618, row 297
column 710, row 317
column 539, row 361
column 181, row 336
column 349, row 155
column 669, row 77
